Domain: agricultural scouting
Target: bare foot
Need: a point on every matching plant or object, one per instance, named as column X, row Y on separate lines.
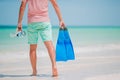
column 55, row 73
column 34, row 73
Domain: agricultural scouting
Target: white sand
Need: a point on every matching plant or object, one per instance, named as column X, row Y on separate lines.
column 98, row 65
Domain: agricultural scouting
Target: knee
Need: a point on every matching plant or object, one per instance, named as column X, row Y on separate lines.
column 33, row 49
column 49, row 44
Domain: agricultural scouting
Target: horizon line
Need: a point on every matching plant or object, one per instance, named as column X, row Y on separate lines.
column 71, row 26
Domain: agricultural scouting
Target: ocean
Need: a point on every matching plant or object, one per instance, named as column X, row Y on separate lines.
column 84, row 39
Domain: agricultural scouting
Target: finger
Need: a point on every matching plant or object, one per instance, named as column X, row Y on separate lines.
column 63, row 25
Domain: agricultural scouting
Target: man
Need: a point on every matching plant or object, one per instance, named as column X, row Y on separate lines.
column 39, row 23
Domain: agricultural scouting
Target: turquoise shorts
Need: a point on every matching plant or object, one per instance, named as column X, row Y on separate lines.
column 39, row 28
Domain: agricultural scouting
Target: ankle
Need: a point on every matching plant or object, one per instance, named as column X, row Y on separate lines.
column 34, row 71
column 55, row 73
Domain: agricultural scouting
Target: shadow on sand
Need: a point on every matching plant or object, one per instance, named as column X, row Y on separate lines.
column 15, row 75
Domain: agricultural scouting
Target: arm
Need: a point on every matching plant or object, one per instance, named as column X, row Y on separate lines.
column 56, row 7
column 21, row 13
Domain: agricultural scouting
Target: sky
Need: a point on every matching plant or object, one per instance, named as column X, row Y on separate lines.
column 74, row 12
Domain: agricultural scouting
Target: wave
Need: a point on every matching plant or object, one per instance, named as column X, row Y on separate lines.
column 23, row 52
column 96, row 48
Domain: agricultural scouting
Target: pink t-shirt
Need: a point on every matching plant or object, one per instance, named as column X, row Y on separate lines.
column 38, row 11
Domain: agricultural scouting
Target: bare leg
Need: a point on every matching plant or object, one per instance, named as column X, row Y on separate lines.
column 33, row 58
column 51, row 51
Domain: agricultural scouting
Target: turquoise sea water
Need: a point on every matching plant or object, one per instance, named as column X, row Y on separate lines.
column 80, row 36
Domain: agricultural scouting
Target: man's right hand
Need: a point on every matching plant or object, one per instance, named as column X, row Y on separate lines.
column 19, row 27
column 62, row 24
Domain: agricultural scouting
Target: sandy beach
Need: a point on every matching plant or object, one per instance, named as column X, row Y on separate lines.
column 92, row 65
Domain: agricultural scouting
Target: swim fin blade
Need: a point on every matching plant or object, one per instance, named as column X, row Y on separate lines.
column 60, row 47
column 69, row 46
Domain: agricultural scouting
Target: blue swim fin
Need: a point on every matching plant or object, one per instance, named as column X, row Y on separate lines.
column 60, row 47
column 69, row 46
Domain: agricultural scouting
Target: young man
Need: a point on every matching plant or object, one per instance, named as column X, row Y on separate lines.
column 39, row 23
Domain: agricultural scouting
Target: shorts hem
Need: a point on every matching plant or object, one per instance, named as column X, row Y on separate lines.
column 32, row 43
column 47, row 40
